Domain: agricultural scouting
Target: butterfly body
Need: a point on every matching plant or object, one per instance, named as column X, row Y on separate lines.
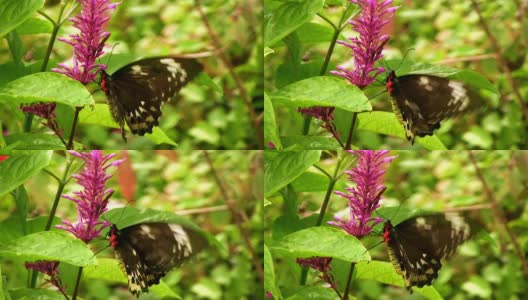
column 417, row 246
column 421, row 102
column 147, row 251
column 136, row 91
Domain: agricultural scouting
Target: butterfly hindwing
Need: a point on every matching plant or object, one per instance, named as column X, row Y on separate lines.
column 416, row 246
column 148, row 251
column 423, row 101
column 136, row 91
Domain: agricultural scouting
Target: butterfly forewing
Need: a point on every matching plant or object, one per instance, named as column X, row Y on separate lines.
column 136, row 91
column 416, row 246
column 423, row 101
column 148, row 251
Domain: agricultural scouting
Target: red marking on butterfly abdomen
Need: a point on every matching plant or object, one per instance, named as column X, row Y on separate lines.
column 104, row 78
column 386, row 233
column 113, row 237
column 390, row 82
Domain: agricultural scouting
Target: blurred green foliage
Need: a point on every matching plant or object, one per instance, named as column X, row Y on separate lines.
column 441, row 32
column 203, row 116
column 180, row 182
column 486, row 267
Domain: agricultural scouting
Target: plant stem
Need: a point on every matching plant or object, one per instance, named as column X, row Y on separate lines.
column 74, row 125
column 333, row 179
column 348, row 281
column 238, row 216
column 77, row 281
column 351, row 131
column 56, row 26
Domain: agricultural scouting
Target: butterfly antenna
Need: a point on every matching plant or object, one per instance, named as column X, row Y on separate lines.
column 403, row 59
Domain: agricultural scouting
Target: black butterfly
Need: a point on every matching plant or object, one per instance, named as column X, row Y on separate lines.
column 416, row 246
column 136, row 91
column 421, row 102
column 146, row 252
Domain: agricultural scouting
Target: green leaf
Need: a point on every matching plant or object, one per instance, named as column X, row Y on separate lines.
column 304, row 142
column 203, row 131
column 14, row 12
column 268, row 51
column 34, row 25
column 99, row 114
column 41, row 294
column 204, row 80
column 287, row 17
column 384, row 272
column 310, row 182
column 49, row 246
column 19, row 167
column 321, row 241
column 35, row 141
column 270, row 284
column 281, row 168
column 478, row 287
column 322, row 91
column 10, row 228
column 387, row 123
column 314, row 293
column 106, row 269
column 45, row 87
column 271, row 133
column 479, row 138
column 159, row 137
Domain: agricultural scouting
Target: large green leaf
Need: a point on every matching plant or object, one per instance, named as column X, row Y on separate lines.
column 45, row 87
column 284, row 19
column 99, row 114
column 41, row 294
column 304, row 142
column 49, row 246
column 35, row 141
column 312, row 293
column 271, row 133
column 387, row 123
column 20, row 166
column 281, row 168
column 14, row 12
column 384, row 272
column 321, row 241
column 322, row 91
column 270, row 284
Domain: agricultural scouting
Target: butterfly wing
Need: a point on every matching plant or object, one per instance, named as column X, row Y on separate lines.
column 423, row 101
column 416, row 246
column 136, row 91
column 149, row 250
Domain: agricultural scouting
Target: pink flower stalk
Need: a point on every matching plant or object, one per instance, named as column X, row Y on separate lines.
column 93, row 199
column 321, row 264
column 88, row 44
column 367, row 48
column 45, row 111
column 325, row 114
column 364, row 198
column 49, row 268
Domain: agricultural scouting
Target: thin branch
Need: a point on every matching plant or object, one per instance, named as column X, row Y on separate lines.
column 501, row 60
column 499, row 214
column 225, row 60
column 203, row 210
column 236, row 217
